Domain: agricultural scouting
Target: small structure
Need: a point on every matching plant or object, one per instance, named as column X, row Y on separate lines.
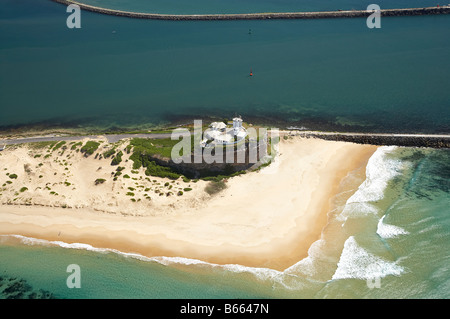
column 2, row 148
column 220, row 133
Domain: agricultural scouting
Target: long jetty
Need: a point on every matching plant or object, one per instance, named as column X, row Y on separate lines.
column 263, row 16
column 408, row 140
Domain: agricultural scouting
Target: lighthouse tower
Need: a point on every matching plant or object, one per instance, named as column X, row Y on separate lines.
column 237, row 125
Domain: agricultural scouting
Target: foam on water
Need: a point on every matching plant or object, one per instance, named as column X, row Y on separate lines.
column 356, row 262
column 379, row 171
column 389, row 231
column 306, row 265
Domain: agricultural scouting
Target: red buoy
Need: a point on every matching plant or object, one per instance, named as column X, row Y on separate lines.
column 251, row 73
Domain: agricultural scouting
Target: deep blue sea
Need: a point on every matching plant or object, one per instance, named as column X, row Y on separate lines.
column 390, row 239
column 322, row 74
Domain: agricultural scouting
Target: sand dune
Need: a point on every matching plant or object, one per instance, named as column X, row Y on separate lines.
column 265, row 219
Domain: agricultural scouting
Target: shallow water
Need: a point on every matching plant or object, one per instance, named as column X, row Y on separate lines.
column 323, row 74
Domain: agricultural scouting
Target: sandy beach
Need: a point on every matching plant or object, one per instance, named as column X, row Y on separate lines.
column 262, row 219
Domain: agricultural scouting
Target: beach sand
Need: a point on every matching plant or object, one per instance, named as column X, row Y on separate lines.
column 262, row 219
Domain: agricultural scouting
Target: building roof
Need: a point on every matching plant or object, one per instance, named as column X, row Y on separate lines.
column 218, row 125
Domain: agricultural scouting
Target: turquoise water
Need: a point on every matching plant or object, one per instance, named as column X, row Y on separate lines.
column 394, row 229
column 322, row 74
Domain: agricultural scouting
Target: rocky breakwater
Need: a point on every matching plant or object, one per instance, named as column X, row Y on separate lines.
column 410, row 140
column 262, row 16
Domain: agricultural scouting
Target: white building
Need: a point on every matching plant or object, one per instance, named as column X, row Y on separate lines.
column 219, row 133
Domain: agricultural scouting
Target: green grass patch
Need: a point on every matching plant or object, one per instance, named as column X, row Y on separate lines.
column 40, row 145
column 109, row 153
column 90, row 147
column 151, row 147
column 58, row 145
column 74, row 146
column 154, row 169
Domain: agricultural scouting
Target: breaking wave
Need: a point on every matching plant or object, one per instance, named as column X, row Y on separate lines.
column 379, row 171
column 389, row 231
column 356, row 262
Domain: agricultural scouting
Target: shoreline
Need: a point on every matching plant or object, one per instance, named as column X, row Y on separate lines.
column 260, row 16
column 274, row 220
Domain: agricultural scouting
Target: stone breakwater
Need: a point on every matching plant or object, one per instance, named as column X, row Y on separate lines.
column 262, row 16
column 436, row 141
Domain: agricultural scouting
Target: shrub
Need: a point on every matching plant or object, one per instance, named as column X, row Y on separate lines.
column 126, row 176
column 130, row 194
column 186, row 180
column 74, row 146
column 23, row 189
column 180, row 193
column 215, row 187
column 187, row 189
column 109, row 153
column 117, row 159
column 154, row 169
column 100, row 181
column 13, row 176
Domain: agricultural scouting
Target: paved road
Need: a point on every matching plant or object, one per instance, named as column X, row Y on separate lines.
column 110, row 138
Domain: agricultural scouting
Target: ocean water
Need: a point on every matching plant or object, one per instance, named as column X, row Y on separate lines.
column 390, row 239
column 321, row 74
